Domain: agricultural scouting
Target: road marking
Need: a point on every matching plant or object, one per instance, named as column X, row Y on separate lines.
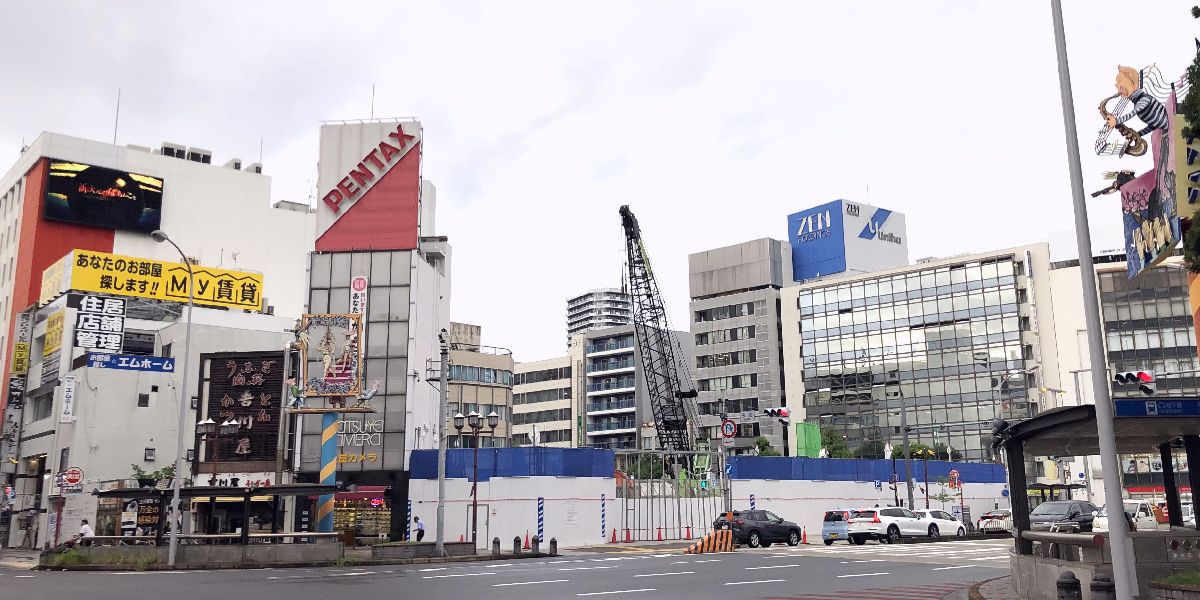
column 863, row 575
column 666, row 574
column 585, row 568
column 138, row 573
column 23, row 576
column 556, row 562
column 618, row 592
column 456, row 575
column 955, row 567
column 429, row 570
column 771, row 567
column 663, row 555
column 530, row 582
column 752, row 582
column 503, row 565
column 854, row 562
column 707, row 561
column 990, row 558
column 680, row 562
column 356, row 573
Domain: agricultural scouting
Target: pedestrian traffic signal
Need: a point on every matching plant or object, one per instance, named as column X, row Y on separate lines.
column 783, row 414
column 1144, row 380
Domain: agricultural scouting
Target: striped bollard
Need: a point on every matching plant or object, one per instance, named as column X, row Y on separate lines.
column 408, row 521
column 329, row 455
column 603, row 519
column 541, row 518
column 753, row 504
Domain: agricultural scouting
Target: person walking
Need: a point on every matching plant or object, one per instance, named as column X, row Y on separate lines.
column 420, row 528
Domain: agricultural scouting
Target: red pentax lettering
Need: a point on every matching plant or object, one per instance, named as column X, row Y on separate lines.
column 373, row 165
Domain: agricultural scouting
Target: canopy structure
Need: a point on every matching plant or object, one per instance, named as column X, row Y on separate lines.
column 1071, row 431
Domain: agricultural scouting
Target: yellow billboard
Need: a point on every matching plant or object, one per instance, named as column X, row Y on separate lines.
column 100, row 272
column 54, row 332
column 20, row 358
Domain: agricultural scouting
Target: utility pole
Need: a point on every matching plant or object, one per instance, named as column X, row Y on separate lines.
column 1122, row 548
column 443, row 404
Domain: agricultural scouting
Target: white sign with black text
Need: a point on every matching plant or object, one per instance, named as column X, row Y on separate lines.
column 68, row 400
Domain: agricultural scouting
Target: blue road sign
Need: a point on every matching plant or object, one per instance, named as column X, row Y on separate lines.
column 878, row 484
column 129, row 362
column 1004, row 493
column 1174, row 407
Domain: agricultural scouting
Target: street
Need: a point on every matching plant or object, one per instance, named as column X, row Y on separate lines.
column 900, row 572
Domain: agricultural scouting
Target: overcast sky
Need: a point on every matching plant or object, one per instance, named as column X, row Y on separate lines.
column 713, row 121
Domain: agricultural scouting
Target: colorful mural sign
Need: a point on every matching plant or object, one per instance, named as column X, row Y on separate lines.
column 333, row 354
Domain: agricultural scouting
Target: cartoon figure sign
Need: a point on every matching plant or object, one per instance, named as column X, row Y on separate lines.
column 1149, row 204
column 333, row 354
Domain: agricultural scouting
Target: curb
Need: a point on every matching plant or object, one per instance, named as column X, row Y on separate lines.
column 368, row 562
column 973, row 592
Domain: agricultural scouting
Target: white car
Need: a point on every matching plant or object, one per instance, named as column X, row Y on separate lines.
column 884, row 524
column 1140, row 514
column 939, row 523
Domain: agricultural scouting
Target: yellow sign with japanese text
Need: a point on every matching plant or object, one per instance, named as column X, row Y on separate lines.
column 104, row 273
column 54, row 332
column 54, row 279
column 20, row 358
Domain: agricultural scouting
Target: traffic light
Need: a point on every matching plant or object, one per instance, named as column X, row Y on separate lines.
column 783, row 414
column 1144, row 380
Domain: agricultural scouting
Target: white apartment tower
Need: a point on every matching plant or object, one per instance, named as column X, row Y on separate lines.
column 598, row 309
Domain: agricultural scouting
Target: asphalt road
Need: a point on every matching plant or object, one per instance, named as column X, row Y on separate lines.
column 908, row 572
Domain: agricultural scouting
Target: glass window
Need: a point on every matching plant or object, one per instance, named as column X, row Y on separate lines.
column 381, row 268
column 318, row 302
column 401, row 269
column 320, row 270
column 377, row 303
column 340, row 275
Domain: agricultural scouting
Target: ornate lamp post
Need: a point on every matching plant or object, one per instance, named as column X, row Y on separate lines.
column 209, row 427
column 474, row 422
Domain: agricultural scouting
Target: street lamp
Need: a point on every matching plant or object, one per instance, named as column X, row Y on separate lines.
column 160, row 236
column 925, row 454
column 474, row 422
column 209, row 427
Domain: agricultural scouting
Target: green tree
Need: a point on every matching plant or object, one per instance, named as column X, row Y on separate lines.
column 871, row 449
column 940, row 450
column 834, row 444
column 649, row 466
column 942, row 495
column 764, row 447
column 914, row 450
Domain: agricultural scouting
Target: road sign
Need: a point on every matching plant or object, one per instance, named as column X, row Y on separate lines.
column 73, row 476
column 878, row 484
column 128, row 362
column 953, row 473
column 728, row 428
column 1175, row 407
column 1004, row 493
column 727, row 442
column 748, row 416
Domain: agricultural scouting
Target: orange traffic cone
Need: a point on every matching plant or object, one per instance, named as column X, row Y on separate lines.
column 660, row 538
column 461, row 538
column 804, row 535
column 689, row 532
column 527, row 546
column 614, row 536
column 628, row 536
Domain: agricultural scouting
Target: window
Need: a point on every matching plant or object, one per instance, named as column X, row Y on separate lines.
column 139, row 344
column 166, row 350
column 40, row 407
column 143, row 400
column 149, row 455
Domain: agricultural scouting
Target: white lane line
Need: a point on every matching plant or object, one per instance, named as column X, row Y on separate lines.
column 530, row 582
column 707, row 561
column 23, row 576
column 354, row 574
column 680, row 562
column 139, row 573
column 503, row 565
column 585, row 568
column 954, row 567
column 557, row 562
column 663, row 555
column 666, row 574
column 430, row 570
column 758, row 581
column 618, row 592
column 862, row 575
column 990, row 558
column 455, row 575
column 770, row 567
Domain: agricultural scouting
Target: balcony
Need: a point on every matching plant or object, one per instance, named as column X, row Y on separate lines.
column 616, row 444
column 610, row 365
column 612, row 427
column 610, row 346
column 619, row 405
column 611, row 386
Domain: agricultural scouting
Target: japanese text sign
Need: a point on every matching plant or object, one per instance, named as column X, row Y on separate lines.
column 88, row 271
column 246, row 387
column 54, row 332
column 128, row 362
column 100, row 322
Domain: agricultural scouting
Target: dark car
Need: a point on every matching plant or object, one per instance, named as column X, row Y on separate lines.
column 760, row 528
column 1067, row 515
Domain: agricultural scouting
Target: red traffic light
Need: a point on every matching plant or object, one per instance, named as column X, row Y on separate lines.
column 1145, row 376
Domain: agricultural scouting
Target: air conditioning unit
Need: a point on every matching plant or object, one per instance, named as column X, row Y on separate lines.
column 233, row 163
column 254, row 168
column 199, row 155
column 174, row 150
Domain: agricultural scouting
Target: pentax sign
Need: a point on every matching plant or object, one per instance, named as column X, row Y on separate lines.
column 361, row 177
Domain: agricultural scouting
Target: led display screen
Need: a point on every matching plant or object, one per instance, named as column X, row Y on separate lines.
column 91, row 195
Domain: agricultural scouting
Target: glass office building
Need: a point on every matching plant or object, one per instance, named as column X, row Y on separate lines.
column 954, row 342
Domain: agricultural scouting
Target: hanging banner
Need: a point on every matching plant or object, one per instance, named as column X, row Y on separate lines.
column 22, row 335
column 358, row 295
column 88, row 271
column 68, row 400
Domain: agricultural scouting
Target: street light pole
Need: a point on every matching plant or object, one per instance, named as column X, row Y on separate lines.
column 176, row 521
column 443, row 403
column 1122, row 550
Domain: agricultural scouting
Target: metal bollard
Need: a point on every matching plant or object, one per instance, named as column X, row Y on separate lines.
column 1069, row 587
column 517, row 545
column 553, row 546
column 496, row 546
column 1103, row 588
column 537, row 543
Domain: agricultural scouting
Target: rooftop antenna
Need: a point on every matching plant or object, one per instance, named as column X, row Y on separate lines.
column 372, row 102
column 117, row 117
column 260, row 146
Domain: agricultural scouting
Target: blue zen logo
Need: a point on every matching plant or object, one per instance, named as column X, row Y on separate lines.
column 814, row 226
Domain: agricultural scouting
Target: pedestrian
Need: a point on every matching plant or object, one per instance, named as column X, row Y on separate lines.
column 86, row 533
column 420, row 528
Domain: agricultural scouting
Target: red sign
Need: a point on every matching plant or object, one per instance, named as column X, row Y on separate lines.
column 953, row 473
column 357, row 180
column 72, row 476
column 359, row 284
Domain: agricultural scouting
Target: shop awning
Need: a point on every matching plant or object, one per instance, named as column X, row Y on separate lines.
column 294, row 489
column 237, row 499
column 362, row 492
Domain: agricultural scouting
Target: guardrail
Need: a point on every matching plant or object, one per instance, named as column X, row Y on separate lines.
column 1075, row 547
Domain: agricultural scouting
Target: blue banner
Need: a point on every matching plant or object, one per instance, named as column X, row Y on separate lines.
column 129, row 362
column 1174, row 407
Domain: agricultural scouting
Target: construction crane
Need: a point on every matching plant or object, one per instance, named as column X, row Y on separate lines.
column 668, row 385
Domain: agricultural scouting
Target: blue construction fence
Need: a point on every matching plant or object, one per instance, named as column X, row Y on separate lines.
column 516, row 462
column 856, row 469
column 597, row 462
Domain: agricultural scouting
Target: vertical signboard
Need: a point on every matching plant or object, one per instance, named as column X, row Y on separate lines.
column 52, row 346
column 68, row 400
column 358, row 295
column 246, row 387
column 818, row 241
column 99, row 322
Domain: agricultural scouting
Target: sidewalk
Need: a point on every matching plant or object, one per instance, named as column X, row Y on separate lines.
column 999, row 588
column 18, row 559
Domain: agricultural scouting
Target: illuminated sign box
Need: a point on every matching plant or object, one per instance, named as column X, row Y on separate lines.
column 101, row 197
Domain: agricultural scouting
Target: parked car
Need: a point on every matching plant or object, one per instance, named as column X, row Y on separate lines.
column 1100, row 523
column 995, row 521
column 836, row 525
column 761, row 528
column 884, row 524
column 1074, row 515
column 940, row 522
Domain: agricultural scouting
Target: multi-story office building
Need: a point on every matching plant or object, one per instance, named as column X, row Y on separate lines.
column 951, row 343
column 543, row 393
column 738, row 357
column 598, row 309
column 615, row 401
column 481, row 381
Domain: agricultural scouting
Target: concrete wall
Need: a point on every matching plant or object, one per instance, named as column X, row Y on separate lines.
column 228, row 556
